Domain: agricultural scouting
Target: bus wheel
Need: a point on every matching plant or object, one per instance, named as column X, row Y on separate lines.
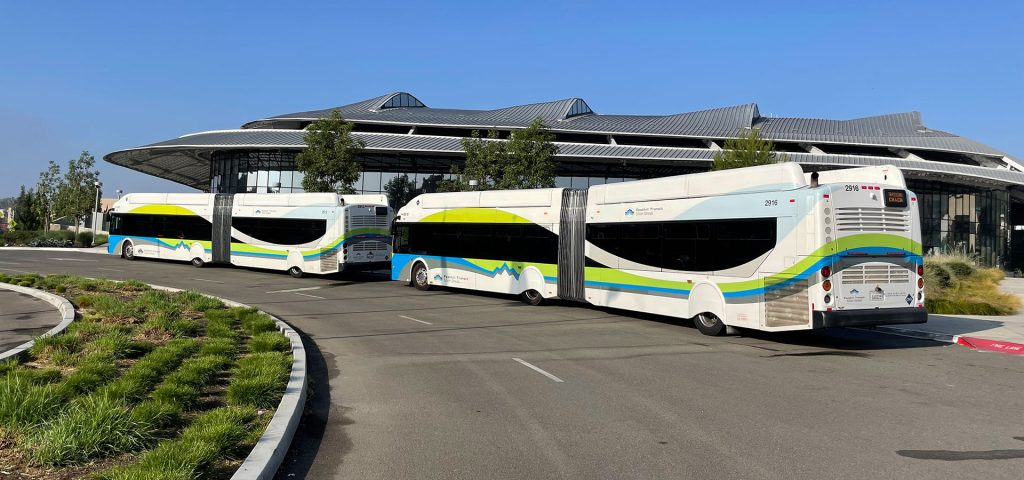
column 420, row 277
column 128, row 251
column 532, row 297
column 198, row 262
column 295, row 272
column 709, row 324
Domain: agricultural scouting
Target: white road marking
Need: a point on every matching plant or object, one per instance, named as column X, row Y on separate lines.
column 10, row 263
column 415, row 320
column 14, row 270
column 295, row 290
column 308, row 295
column 205, row 280
column 109, row 269
column 72, row 259
column 538, row 370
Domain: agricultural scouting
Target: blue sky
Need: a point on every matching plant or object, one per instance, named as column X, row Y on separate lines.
column 102, row 76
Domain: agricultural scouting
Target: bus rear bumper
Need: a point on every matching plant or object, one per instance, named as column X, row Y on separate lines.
column 364, row 266
column 867, row 318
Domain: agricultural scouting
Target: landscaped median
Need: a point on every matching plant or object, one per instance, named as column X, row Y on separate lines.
column 145, row 383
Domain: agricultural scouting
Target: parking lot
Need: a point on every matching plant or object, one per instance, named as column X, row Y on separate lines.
column 449, row 384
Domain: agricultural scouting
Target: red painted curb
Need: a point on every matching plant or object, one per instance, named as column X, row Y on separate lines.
column 991, row 345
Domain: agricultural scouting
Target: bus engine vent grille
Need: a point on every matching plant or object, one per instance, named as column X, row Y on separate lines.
column 787, row 305
column 881, row 274
column 329, row 261
column 357, row 221
column 369, row 245
column 871, row 219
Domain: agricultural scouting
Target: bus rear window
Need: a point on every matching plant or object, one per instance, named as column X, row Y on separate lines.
column 382, row 211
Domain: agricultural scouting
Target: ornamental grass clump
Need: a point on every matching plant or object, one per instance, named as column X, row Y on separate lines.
column 259, row 380
column 955, row 285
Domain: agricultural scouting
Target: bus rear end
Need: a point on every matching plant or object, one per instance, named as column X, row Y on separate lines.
column 872, row 273
column 367, row 244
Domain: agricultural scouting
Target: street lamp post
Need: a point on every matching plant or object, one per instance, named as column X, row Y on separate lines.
column 95, row 217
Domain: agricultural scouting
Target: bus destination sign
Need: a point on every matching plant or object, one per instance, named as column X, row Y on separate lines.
column 895, row 198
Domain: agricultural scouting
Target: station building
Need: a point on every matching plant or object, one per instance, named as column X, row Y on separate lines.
column 971, row 195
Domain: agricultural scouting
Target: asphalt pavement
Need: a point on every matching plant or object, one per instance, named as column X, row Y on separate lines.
column 461, row 385
column 23, row 317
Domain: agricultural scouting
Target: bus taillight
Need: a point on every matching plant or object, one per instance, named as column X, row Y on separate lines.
column 826, row 271
column 920, row 270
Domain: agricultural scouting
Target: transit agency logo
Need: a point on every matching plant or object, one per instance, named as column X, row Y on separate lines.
column 630, row 212
column 438, row 278
column 854, row 291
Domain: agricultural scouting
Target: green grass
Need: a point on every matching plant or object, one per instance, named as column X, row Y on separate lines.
column 955, row 285
column 259, row 380
column 269, row 342
column 93, row 427
column 139, row 370
column 210, row 437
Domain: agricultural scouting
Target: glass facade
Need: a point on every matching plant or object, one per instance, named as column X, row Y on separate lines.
column 964, row 220
column 236, row 171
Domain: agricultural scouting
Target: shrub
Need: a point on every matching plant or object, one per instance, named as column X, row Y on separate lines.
column 960, row 268
column 269, row 342
column 84, row 239
column 254, row 321
column 954, row 286
column 22, row 403
column 101, row 239
column 44, row 347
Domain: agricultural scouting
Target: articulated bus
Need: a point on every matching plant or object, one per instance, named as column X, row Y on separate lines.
column 299, row 232
column 768, row 248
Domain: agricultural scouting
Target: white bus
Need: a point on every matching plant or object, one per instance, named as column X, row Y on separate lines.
column 767, row 248
column 298, row 232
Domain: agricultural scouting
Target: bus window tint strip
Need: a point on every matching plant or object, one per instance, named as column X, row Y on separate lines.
column 281, row 231
column 485, row 241
column 189, row 227
column 696, row 246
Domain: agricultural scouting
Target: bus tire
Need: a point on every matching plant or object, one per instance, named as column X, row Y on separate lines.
column 532, row 297
column 420, row 277
column 295, row 272
column 198, row 262
column 128, row 250
column 709, row 324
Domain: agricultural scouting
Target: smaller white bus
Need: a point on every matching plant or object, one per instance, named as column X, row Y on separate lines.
column 299, row 232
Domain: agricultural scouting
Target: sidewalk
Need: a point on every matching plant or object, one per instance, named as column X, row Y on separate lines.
column 23, row 317
column 101, row 249
column 995, row 333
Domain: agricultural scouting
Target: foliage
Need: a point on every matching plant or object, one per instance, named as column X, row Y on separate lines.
column 955, row 285
column 400, row 190
column 84, row 239
column 329, row 160
column 46, row 193
column 748, row 149
column 25, row 206
column 76, row 194
column 525, row 160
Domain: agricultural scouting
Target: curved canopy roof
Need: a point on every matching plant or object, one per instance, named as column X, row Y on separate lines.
column 186, row 159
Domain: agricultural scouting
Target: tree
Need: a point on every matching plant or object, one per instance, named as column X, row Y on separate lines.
column 747, row 150
column 76, row 195
column 525, row 160
column 400, row 190
column 26, row 213
column 46, row 193
column 329, row 160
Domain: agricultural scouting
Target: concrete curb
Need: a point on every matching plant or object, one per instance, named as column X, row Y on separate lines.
column 974, row 343
column 266, row 457
column 67, row 313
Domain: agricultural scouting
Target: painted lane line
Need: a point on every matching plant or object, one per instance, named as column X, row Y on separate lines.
column 304, row 289
column 308, row 295
column 205, row 280
column 10, row 263
column 415, row 320
column 72, row 259
column 538, row 370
